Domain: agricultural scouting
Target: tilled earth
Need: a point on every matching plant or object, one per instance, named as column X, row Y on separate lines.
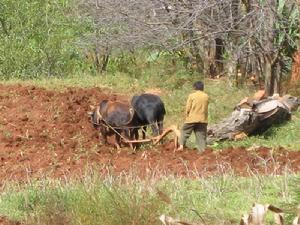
column 5, row 221
column 46, row 133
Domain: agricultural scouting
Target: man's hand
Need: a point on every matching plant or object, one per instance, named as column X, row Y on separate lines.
column 180, row 148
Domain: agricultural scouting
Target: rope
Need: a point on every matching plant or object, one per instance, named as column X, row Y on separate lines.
column 105, row 124
column 128, row 127
column 113, row 128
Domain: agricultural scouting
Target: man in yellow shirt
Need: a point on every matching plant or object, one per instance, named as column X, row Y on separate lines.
column 196, row 117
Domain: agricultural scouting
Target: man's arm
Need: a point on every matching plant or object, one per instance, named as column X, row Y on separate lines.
column 188, row 106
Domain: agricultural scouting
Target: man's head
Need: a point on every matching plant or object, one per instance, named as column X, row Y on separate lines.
column 198, row 85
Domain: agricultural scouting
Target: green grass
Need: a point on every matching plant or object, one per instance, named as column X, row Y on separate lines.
column 129, row 200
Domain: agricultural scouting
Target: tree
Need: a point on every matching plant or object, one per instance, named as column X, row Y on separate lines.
column 36, row 38
column 229, row 36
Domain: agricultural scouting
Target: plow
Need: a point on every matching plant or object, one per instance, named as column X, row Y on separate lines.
column 156, row 139
column 150, row 140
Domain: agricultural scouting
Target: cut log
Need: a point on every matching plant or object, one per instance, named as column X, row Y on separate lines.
column 253, row 117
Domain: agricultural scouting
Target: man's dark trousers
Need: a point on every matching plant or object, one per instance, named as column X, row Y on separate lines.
column 200, row 130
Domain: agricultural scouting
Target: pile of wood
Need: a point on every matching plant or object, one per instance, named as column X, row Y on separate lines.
column 254, row 115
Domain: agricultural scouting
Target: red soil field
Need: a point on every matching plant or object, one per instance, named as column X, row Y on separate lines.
column 46, row 133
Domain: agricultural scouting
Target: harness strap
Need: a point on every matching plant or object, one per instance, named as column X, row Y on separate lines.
column 114, row 129
column 129, row 127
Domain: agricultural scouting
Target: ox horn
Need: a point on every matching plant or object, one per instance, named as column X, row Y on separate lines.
column 131, row 112
column 98, row 114
column 92, row 107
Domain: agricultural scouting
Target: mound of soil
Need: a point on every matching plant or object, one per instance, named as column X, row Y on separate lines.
column 4, row 221
column 46, row 133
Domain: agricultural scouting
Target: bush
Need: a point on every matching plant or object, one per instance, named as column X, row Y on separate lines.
column 36, row 38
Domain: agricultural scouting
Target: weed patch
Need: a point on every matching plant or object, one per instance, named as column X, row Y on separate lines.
column 128, row 200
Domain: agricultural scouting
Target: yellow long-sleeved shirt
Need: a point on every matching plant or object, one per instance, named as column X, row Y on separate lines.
column 197, row 107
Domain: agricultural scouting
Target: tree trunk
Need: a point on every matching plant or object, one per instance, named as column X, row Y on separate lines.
column 270, row 56
column 294, row 84
column 295, row 79
column 210, row 53
column 277, row 77
column 219, row 55
column 269, row 83
column 295, row 68
column 194, row 49
column 231, row 65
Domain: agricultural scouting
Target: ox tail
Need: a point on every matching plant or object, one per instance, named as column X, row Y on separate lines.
column 163, row 109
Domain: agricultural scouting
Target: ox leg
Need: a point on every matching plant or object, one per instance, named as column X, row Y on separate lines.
column 129, row 136
column 152, row 119
column 134, row 134
column 127, row 133
column 103, row 133
column 144, row 128
column 160, row 123
column 105, row 138
column 160, row 127
column 118, row 139
column 155, row 129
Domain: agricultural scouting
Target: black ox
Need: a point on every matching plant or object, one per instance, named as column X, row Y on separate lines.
column 148, row 110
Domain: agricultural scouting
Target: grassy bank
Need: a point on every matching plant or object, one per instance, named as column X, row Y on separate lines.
column 127, row 200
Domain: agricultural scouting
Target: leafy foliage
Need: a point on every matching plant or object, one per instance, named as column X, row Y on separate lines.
column 36, row 38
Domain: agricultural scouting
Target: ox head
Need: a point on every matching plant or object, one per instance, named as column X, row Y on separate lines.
column 291, row 102
column 95, row 116
column 134, row 99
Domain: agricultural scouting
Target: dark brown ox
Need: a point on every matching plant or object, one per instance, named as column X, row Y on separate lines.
column 112, row 118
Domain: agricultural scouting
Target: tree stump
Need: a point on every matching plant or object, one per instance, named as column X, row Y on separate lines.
column 253, row 117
